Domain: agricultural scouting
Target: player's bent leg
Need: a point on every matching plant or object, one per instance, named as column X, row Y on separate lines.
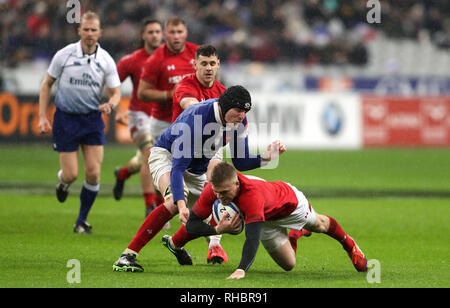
column 284, row 256
column 320, row 225
column 67, row 174
column 123, row 173
column 276, row 242
column 69, row 166
column 151, row 197
column 151, row 226
column 329, row 226
column 295, row 235
column 93, row 156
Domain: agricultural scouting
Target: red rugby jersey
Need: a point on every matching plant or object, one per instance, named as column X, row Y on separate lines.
column 191, row 87
column 132, row 65
column 165, row 69
column 258, row 200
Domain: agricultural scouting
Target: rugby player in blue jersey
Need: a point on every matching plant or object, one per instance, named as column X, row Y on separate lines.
column 82, row 69
column 179, row 161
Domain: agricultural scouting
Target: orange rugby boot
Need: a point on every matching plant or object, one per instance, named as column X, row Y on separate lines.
column 216, row 254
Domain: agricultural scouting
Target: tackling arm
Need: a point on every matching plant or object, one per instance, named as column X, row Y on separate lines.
column 188, row 101
column 240, row 153
column 196, row 226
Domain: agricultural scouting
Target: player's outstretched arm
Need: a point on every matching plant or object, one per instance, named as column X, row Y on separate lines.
column 274, row 150
column 252, row 236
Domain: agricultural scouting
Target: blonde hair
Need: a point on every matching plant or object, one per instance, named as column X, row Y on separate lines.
column 90, row 15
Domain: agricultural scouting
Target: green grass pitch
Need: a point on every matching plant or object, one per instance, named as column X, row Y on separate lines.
column 395, row 203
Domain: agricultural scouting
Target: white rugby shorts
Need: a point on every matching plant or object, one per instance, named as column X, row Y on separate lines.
column 138, row 123
column 157, row 127
column 160, row 162
column 275, row 233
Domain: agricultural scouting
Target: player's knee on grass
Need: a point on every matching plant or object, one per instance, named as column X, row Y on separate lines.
column 284, row 256
column 276, row 242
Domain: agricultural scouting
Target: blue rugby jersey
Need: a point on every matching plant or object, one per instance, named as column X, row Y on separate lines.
column 81, row 78
column 196, row 135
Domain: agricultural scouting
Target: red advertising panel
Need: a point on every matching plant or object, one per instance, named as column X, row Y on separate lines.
column 406, row 121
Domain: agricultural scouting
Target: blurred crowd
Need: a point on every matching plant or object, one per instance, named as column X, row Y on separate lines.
column 307, row 31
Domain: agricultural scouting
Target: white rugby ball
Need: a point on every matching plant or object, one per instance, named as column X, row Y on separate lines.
column 219, row 209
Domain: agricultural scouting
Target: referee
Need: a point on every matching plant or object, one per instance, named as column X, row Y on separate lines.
column 82, row 70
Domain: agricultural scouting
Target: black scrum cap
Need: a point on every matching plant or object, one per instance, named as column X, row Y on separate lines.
column 235, row 97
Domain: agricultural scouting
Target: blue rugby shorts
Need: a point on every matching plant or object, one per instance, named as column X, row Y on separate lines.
column 71, row 130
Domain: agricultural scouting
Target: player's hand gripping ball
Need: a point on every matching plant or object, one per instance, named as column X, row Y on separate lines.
column 231, row 208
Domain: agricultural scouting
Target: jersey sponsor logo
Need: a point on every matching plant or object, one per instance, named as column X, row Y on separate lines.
column 86, row 81
column 177, row 79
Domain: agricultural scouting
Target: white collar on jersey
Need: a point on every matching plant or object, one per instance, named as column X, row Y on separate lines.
column 217, row 113
column 81, row 54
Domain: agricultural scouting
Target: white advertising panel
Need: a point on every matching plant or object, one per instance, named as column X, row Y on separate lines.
column 306, row 121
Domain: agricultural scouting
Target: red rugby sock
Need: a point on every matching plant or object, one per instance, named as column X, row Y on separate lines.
column 336, row 232
column 181, row 237
column 153, row 223
column 124, row 173
column 151, row 200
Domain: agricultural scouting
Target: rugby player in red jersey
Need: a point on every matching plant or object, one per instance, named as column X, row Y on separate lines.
column 139, row 115
column 268, row 208
column 166, row 67
column 200, row 86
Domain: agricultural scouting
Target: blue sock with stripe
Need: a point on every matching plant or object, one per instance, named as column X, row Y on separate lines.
column 87, row 198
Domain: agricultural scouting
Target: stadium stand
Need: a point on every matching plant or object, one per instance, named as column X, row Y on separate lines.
column 329, row 32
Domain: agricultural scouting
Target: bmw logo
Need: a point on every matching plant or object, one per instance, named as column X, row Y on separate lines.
column 332, row 119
